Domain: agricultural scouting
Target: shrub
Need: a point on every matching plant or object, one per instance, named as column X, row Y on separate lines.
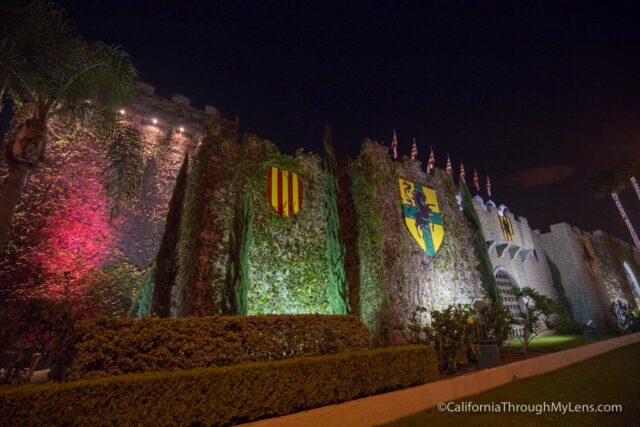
column 451, row 332
column 119, row 346
column 113, row 290
column 28, row 328
column 628, row 317
column 219, row 396
column 561, row 321
column 495, row 324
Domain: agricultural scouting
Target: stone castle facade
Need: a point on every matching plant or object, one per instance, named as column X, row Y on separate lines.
column 388, row 275
column 596, row 269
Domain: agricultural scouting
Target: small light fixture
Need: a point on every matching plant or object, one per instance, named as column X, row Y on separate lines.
column 122, row 112
column 155, row 121
column 181, row 129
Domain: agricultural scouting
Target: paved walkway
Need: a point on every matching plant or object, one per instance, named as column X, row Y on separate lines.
column 387, row 407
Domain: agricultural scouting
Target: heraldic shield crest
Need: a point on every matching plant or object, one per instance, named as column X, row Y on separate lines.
column 422, row 215
column 284, row 191
column 507, row 227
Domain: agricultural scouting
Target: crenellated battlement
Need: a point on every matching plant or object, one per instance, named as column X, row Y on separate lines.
column 503, row 231
column 149, row 108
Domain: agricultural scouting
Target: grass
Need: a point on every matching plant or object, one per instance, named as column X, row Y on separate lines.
column 550, row 344
column 611, row 378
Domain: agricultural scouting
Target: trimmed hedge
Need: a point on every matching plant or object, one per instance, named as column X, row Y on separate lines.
column 113, row 346
column 219, row 396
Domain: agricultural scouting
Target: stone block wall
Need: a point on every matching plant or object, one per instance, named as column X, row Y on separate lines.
column 569, row 248
column 522, row 258
column 618, row 268
column 170, row 128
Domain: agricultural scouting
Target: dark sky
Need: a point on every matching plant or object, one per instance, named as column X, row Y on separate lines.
column 503, row 86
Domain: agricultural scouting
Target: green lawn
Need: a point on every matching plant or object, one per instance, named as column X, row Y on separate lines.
column 550, row 344
column 611, row 378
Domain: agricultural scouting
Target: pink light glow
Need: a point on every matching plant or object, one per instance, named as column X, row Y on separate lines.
column 78, row 236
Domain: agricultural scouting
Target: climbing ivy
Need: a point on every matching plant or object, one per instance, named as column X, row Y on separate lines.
column 240, row 244
column 337, row 288
column 396, row 275
column 142, row 305
column 167, row 262
column 364, row 181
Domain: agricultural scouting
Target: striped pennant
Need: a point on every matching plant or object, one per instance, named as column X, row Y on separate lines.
column 284, row 191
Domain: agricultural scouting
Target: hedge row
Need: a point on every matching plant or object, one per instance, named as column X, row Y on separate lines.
column 219, row 396
column 120, row 346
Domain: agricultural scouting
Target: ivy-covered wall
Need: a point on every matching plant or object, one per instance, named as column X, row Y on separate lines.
column 287, row 266
column 284, row 268
column 612, row 254
column 395, row 274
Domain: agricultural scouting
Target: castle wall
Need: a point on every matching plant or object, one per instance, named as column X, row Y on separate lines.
column 612, row 254
column 63, row 236
column 170, row 129
column 286, row 265
column 522, row 257
column 395, row 275
column 572, row 251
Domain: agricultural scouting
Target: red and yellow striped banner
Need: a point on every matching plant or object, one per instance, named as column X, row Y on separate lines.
column 284, row 190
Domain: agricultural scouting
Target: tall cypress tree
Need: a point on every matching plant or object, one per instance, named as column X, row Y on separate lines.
column 240, row 244
column 485, row 266
column 167, row 259
column 334, row 250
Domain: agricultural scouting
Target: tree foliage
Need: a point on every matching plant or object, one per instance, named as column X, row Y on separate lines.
column 166, row 269
column 57, row 80
column 125, row 160
column 334, row 249
column 240, row 245
column 536, row 308
column 495, row 324
column 451, row 332
column 112, row 290
column 614, row 180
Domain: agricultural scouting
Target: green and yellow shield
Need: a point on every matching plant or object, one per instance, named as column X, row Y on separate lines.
column 422, row 215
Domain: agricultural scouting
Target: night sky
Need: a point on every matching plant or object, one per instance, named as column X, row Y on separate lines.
column 505, row 87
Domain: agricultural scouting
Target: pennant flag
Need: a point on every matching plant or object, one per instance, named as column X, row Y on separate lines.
column 394, row 146
column 488, row 186
column 462, row 173
column 422, row 215
column 449, row 168
column 431, row 163
column 476, row 180
column 284, row 191
column 414, row 150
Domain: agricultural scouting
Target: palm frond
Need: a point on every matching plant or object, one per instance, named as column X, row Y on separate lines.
column 614, row 180
column 125, row 160
column 99, row 72
column 55, row 68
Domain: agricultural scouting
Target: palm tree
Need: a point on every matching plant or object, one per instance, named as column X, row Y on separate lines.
column 611, row 183
column 58, row 80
